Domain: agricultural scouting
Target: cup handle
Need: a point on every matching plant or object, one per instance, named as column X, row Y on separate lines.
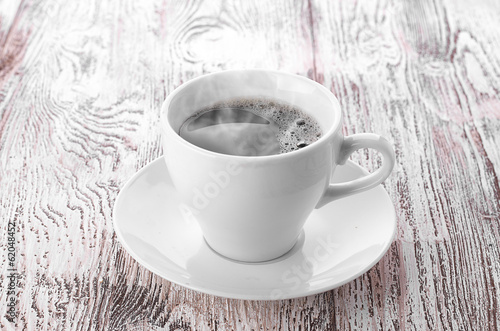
column 349, row 145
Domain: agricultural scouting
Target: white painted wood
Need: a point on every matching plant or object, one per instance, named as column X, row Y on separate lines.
column 81, row 84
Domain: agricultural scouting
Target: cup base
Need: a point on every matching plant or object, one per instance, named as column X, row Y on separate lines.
column 299, row 242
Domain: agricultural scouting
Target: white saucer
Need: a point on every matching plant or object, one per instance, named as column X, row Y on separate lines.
column 339, row 242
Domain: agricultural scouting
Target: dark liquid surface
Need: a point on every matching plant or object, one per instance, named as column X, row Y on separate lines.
column 251, row 127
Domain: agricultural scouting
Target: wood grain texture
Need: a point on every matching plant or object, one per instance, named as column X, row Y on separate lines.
column 81, row 84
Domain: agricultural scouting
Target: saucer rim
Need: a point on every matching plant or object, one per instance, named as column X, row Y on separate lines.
column 247, row 296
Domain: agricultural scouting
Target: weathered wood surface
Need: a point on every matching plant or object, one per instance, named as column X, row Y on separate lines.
column 81, row 83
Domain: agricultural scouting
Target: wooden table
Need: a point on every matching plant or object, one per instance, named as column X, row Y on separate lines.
column 81, row 84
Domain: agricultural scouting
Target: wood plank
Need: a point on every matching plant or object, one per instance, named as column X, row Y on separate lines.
column 89, row 89
column 420, row 74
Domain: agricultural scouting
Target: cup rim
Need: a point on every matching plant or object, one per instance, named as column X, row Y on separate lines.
column 325, row 138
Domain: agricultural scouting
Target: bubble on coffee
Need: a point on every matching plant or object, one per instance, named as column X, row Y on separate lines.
column 251, row 127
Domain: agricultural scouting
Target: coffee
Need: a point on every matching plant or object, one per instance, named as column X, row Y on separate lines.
column 251, row 127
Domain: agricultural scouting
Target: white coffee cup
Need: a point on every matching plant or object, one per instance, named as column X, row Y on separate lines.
column 252, row 208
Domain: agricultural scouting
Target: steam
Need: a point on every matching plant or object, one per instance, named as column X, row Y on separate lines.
column 234, row 131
